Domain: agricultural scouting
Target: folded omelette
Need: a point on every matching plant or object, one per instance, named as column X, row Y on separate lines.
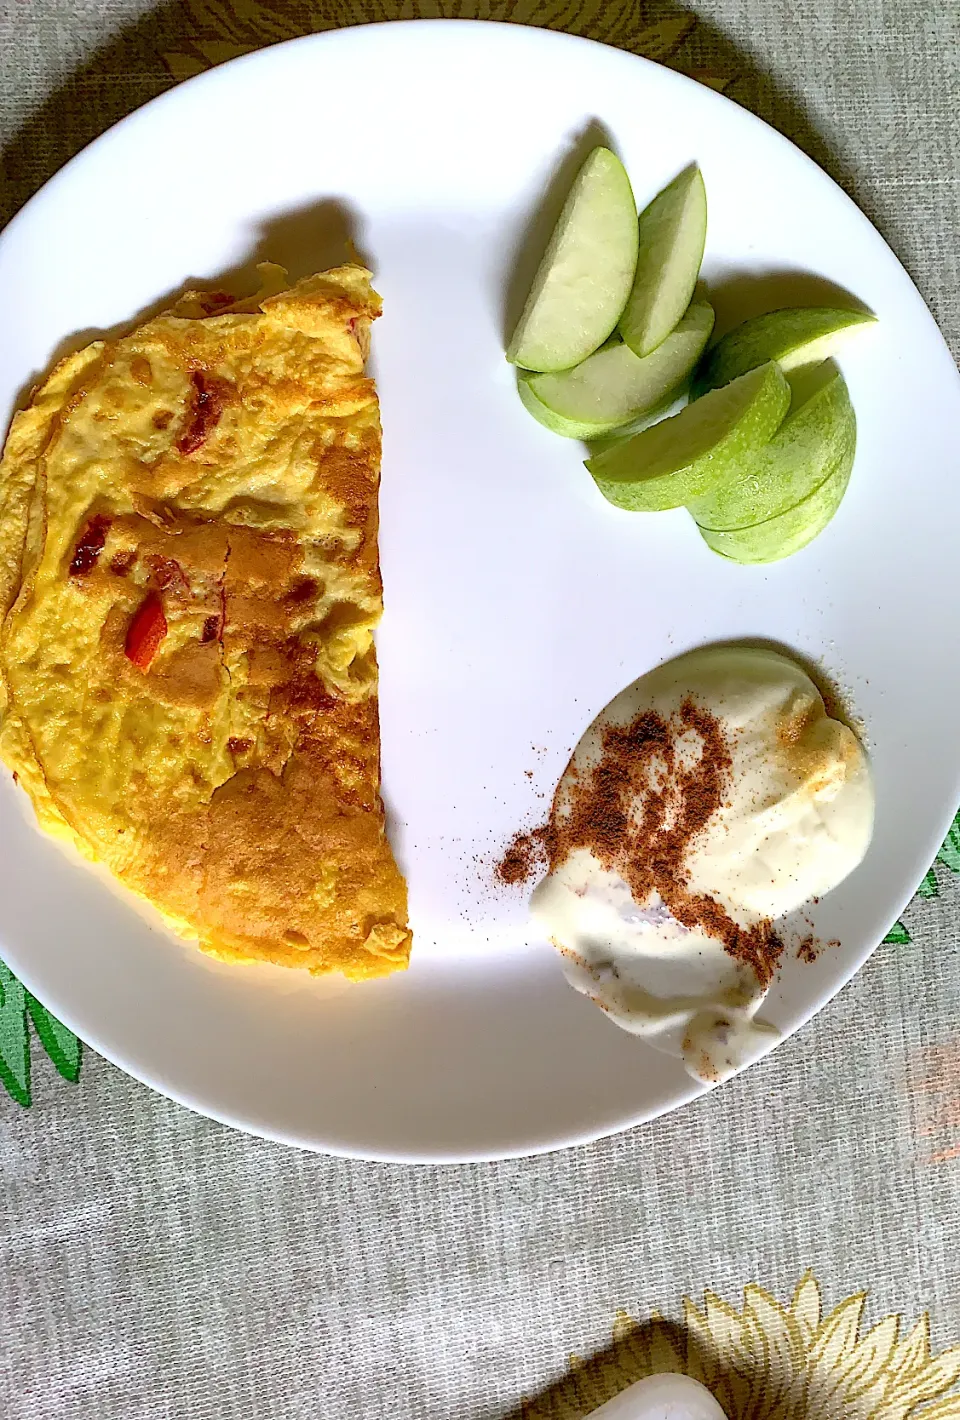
column 189, row 582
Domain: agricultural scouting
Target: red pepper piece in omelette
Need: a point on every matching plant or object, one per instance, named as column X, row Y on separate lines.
column 90, row 546
column 147, row 630
column 208, row 400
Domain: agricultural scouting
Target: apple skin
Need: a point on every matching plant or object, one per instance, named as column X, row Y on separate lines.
column 811, row 443
column 557, row 423
column 680, row 458
column 787, row 533
column 793, row 336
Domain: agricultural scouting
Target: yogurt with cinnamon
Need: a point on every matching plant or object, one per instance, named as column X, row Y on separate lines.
column 710, row 799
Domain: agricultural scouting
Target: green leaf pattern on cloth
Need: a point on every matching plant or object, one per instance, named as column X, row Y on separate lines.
column 61, row 1044
column 14, row 1041
column 17, row 1009
column 949, row 856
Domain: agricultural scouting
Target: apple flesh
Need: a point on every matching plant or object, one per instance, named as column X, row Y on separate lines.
column 556, row 423
column 673, row 232
column 614, row 387
column 584, row 279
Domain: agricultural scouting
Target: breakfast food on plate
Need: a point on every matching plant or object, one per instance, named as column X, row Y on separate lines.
column 613, row 387
column 709, row 800
column 795, row 336
column 583, row 281
column 784, row 494
column 714, row 453
column 189, row 579
column 673, row 233
column 685, row 456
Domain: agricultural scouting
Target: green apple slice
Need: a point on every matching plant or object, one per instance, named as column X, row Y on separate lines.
column 613, row 386
column 678, row 459
column 583, row 281
column 798, row 335
column 781, row 536
column 811, row 443
column 556, row 423
column 597, row 437
column 673, row 231
column 600, row 443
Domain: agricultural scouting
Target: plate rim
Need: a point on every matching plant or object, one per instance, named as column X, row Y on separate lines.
column 226, row 73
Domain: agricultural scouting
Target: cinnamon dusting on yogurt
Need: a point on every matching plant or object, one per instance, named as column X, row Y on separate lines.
column 677, row 770
column 707, row 803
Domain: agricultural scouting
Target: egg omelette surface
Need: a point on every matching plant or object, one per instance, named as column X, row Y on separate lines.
column 189, row 582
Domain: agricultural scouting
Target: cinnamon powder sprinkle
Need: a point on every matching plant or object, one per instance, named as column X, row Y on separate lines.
column 639, row 811
column 525, row 854
column 810, row 948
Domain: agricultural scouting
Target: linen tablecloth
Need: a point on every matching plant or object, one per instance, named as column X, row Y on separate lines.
column 154, row 1264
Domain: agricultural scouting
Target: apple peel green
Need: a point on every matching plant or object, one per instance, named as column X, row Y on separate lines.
column 794, row 336
column 680, row 458
column 811, row 443
column 788, row 532
column 556, row 423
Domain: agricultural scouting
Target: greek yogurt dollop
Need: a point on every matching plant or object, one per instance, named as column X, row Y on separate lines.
column 710, row 799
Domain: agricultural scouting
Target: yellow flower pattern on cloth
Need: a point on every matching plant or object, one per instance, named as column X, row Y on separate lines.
column 772, row 1362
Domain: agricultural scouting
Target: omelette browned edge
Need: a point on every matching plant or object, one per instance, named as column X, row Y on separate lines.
column 189, row 578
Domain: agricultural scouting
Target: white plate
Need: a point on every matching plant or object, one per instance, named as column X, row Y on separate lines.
column 517, row 601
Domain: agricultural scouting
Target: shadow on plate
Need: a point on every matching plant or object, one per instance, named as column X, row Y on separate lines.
column 836, row 698
column 182, row 37
column 538, row 229
column 304, row 240
column 737, row 296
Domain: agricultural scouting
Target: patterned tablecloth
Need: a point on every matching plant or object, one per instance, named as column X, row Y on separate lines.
column 153, row 1264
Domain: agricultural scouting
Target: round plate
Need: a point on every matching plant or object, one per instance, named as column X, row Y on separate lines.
column 517, row 601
